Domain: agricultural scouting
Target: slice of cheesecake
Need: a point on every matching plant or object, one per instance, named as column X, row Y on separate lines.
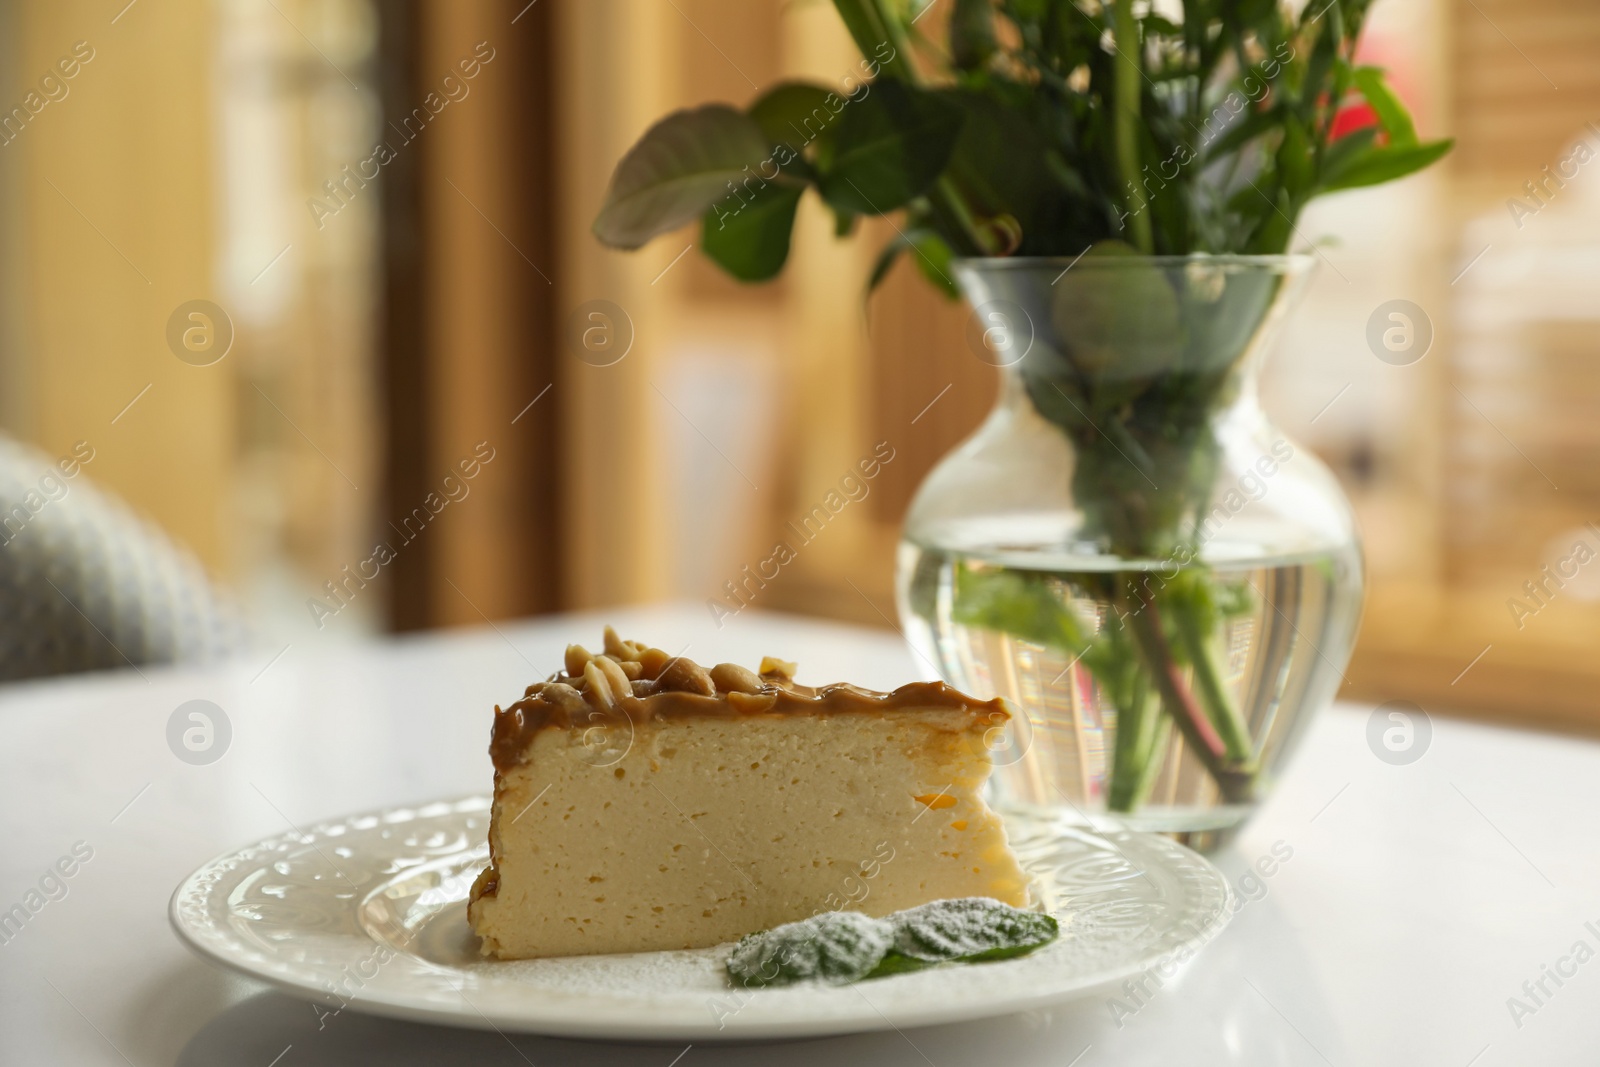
column 643, row 802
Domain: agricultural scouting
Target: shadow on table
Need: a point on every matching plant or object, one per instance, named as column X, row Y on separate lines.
column 1232, row 1005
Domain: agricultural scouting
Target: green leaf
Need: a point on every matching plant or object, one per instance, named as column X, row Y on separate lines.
column 846, row 946
column 1344, row 153
column 889, row 147
column 750, row 240
column 1019, row 603
column 681, row 167
column 797, row 114
column 1392, row 114
column 1328, row 36
column 999, row 161
column 970, row 929
column 1271, row 235
column 972, row 40
column 1119, row 320
column 1241, row 133
column 893, row 963
column 1296, row 165
column 1388, row 163
column 835, row 947
column 933, row 257
column 1154, row 24
column 877, row 35
column 885, row 261
column 935, row 260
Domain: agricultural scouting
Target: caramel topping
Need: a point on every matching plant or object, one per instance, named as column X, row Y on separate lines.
column 680, row 688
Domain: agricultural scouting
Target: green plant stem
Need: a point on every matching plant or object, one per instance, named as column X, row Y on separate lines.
column 1153, row 757
column 1125, row 37
column 951, row 205
column 872, row 24
column 1236, row 783
column 1137, row 720
column 1224, row 713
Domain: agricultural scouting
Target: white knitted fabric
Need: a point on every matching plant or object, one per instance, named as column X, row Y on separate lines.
column 85, row 584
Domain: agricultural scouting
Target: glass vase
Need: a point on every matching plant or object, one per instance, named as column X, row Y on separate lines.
column 1161, row 581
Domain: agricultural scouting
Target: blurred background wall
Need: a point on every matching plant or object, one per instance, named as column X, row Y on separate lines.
column 385, row 206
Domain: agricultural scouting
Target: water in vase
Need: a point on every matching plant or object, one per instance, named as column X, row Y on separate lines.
column 1279, row 641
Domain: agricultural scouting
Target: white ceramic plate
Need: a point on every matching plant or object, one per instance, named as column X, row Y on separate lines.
column 369, row 913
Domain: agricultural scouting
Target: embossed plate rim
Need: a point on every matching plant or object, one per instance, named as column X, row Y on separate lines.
column 201, row 916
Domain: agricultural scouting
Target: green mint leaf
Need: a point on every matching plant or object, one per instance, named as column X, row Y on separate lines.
column 970, row 929
column 838, row 947
column 834, row 947
column 894, row 963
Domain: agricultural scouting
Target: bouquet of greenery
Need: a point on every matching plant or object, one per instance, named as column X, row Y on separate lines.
column 1070, row 128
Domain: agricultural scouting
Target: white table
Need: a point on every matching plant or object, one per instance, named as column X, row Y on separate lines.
column 1416, row 901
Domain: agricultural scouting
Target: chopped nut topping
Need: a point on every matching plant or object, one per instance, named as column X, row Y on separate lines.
column 577, row 658
column 616, row 683
column 564, row 697
column 634, row 669
column 685, row 676
column 782, row 668
column 597, row 688
column 620, row 650
column 732, row 678
column 616, row 680
column 652, row 660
